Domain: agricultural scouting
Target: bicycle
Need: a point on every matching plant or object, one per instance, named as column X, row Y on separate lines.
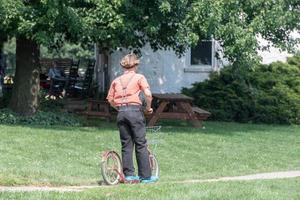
column 111, row 165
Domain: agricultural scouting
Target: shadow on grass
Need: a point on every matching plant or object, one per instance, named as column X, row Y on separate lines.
column 174, row 127
column 91, row 127
column 223, row 128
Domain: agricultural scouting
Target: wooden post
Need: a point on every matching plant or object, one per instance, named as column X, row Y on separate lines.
column 191, row 113
column 159, row 110
column 102, row 76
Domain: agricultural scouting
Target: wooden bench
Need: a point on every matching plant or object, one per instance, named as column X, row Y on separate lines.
column 176, row 106
column 68, row 66
column 98, row 108
column 65, row 63
column 200, row 113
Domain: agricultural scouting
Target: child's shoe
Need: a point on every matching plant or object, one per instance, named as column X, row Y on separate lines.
column 132, row 178
column 152, row 179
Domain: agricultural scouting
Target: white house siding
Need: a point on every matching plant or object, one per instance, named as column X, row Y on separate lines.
column 164, row 71
column 167, row 73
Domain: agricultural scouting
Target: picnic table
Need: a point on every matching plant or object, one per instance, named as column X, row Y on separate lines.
column 98, row 108
column 176, row 106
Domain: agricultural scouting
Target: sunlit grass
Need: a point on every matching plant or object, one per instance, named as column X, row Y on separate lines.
column 71, row 156
column 263, row 190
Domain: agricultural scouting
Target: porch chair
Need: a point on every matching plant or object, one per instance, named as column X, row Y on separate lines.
column 72, row 79
column 84, row 87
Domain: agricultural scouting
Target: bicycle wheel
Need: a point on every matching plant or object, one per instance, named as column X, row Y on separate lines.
column 154, row 165
column 111, row 167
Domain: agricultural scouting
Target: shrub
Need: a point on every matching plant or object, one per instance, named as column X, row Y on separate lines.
column 50, row 113
column 264, row 94
column 47, row 104
column 40, row 118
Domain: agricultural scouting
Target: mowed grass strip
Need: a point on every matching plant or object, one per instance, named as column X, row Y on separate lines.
column 266, row 189
column 71, row 156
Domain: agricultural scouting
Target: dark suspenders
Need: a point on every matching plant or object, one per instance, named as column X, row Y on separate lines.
column 124, row 88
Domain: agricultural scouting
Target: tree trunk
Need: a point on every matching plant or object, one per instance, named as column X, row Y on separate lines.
column 1, row 67
column 26, row 81
column 1, row 55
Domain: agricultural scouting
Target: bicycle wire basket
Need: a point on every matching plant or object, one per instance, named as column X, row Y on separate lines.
column 153, row 134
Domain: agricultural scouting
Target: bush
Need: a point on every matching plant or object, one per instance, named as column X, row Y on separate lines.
column 50, row 113
column 40, row 118
column 47, row 104
column 264, row 94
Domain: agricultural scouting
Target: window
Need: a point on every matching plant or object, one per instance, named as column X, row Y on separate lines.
column 202, row 54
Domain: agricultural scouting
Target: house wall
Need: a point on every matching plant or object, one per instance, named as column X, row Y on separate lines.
column 165, row 72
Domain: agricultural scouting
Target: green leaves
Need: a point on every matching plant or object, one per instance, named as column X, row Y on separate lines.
column 267, row 94
column 165, row 7
column 43, row 118
column 164, row 24
column 237, row 24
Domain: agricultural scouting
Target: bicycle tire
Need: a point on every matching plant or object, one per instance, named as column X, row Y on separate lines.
column 154, row 165
column 111, row 174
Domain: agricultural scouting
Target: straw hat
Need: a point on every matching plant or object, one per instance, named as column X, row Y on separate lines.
column 129, row 61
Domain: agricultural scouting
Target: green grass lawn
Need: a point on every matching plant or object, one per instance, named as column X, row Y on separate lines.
column 71, row 155
column 284, row 189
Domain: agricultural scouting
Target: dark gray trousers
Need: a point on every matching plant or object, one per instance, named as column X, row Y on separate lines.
column 131, row 124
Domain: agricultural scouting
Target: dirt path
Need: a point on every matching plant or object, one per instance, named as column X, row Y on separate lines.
column 261, row 176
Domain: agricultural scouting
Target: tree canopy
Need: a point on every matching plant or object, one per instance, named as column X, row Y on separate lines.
column 237, row 24
column 164, row 24
column 112, row 24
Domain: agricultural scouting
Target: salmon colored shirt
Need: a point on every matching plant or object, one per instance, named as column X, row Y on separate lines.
column 137, row 84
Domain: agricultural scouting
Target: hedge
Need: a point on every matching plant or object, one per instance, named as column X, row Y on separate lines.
column 263, row 94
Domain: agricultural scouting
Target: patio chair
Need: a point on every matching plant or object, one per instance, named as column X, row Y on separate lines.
column 72, row 79
column 57, row 87
column 84, row 87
